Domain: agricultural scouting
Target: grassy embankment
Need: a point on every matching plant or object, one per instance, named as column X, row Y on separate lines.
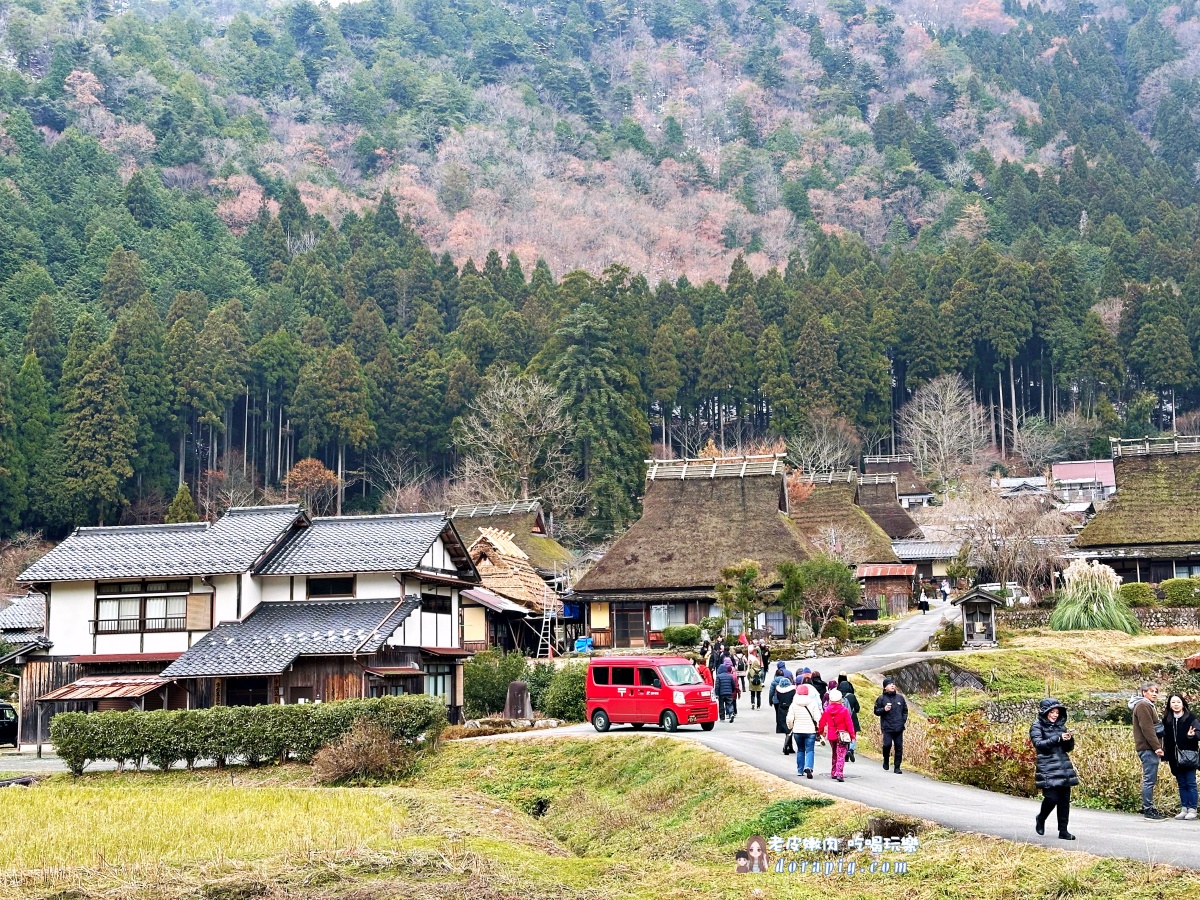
column 631, row 817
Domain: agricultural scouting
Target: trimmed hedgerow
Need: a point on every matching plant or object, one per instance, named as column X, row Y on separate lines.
column 681, row 635
column 1138, row 593
column 250, row 734
column 1181, row 592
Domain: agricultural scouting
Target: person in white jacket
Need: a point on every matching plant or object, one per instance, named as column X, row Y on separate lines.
column 802, row 719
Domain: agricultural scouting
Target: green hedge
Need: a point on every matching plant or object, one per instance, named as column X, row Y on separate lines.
column 250, row 734
column 681, row 635
column 565, row 696
column 1138, row 593
column 1181, row 592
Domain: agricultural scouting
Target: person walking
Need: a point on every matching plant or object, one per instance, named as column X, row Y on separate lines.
column 850, row 701
column 1181, row 749
column 705, row 672
column 764, row 653
column 757, row 675
column 802, row 721
column 945, row 590
column 783, row 691
column 819, row 683
column 1055, row 774
column 838, row 728
column 742, row 668
column 1148, row 744
column 725, row 687
column 892, row 709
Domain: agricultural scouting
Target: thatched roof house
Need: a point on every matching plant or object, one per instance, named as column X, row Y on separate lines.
column 525, row 520
column 910, row 487
column 698, row 516
column 829, row 517
column 1150, row 531
column 879, row 496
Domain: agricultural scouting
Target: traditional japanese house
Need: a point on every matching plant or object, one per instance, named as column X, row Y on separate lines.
column 825, row 511
column 698, row 516
column 124, row 603
column 1150, row 529
column 526, row 521
column 887, row 587
column 931, row 558
column 507, row 611
column 879, row 497
column 911, row 489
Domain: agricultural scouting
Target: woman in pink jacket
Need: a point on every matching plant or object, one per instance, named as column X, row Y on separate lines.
column 836, row 723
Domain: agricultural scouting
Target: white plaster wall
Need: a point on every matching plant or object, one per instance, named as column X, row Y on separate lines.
column 225, row 606
column 114, row 643
column 273, row 588
column 72, row 609
column 251, row 592
column 377, row 586
column 166, row 641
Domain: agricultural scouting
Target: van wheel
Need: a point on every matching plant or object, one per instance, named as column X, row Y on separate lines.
column 637, row 725
column 600, row 720
column 708, row 726
column 669, row 721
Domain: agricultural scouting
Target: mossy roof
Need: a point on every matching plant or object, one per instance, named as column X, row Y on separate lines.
column 525, row 521
column 832, row 507
column 1157, row 502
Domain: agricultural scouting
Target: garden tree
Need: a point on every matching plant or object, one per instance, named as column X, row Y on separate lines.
column 122, row 283
column 612, row 437
column 826, row 442
column 817, row 590
column 741, row 591
column 41, row 338
column 313, row 485
column 137, row 340
column 98, row 436
column 515, row 443
column 182, row 508
column 944, row 429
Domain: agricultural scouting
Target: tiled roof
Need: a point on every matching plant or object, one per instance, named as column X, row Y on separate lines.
column 270, row 639
column 392, row 543
column 234, row 543
column 910, row 550
column 27, row 615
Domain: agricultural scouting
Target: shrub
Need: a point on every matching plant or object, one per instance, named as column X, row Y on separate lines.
column 1090, row 601
column 1138, row 593
column 256, row 734
column 486, row 677
column 714, row 625
column 681, row 635
column 538, row 680
column 367, row 752
column 1181, row 592
column 949, row 637
column 970, row 751
column 838, row 628
column 565, row 695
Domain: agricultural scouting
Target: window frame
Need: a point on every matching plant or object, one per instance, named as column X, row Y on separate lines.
column 140, row 592
column 308, row 583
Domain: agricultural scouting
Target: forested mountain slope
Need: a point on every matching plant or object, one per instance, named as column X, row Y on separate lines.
column 234, row 235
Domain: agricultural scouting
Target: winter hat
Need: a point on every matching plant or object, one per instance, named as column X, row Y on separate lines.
column 805, row 670
column 835, row 696
column 779, row 665
column 888, row 681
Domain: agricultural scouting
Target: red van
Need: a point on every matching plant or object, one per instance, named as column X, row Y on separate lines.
column 666, row 690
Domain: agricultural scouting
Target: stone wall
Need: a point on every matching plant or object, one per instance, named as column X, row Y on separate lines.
column 1008, row 712
column 923, row 677
column 1148, row 616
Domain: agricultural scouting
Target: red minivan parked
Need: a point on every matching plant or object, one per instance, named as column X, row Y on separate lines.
column 636, row 690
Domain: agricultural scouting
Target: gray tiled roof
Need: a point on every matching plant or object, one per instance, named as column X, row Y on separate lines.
column 358, row 544
column 270, row 639
column 231, row 544
column 910, row 550
column 26, row 615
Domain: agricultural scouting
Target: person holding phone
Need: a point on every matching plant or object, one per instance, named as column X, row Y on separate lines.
column 1181, row 749
column 1055, row 775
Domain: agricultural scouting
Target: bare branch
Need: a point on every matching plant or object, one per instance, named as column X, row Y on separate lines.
column 943, row 427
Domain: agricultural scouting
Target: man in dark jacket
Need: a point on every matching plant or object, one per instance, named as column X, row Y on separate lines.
column 892, row 709
column 1148, row 744
column 1055, row 774
column 725, row 687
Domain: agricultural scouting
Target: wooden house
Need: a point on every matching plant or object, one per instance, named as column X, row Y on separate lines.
column 506, row 612
column 526, row 521
column 1150, row 529
column 887, row 587
column 911, row 489
column 137, row 601
column 829, row 517
column 698, row 516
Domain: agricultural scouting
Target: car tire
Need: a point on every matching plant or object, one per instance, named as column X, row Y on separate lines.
column 600, row 720
column 708, row 726
column 637, row 725
column 669, row 721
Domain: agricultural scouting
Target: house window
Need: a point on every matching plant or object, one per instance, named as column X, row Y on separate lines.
column 435, row 603
column 437, row 681
column 133, row 606
column 331, row 587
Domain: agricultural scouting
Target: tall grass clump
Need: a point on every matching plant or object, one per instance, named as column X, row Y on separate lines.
column 1091, row 601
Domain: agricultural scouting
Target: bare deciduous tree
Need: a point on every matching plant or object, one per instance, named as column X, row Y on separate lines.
column 827, row 443
column 845, row 545
column 405, row 485
column 944, row 429
column 1038, row 444
column 514, row 444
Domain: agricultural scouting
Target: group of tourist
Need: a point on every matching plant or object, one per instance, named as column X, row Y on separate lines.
column 1173, row 737
column 732, row 671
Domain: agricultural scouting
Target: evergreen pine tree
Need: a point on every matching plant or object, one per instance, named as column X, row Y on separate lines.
column 41, row 338
column 122, row 283
column 182, row 508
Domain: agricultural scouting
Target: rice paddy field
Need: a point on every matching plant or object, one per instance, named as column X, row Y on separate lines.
column 638, row 817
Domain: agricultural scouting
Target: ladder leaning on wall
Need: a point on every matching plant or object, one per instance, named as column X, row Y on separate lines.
column 547, row 636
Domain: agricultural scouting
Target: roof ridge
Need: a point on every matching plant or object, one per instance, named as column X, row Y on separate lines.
column 153, row 526
column 268, row 507
column 377, row 517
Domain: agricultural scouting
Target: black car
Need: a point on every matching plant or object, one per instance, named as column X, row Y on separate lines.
column 8, row 724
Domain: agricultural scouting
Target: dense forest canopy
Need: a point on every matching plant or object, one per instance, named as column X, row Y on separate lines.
column 233, row 235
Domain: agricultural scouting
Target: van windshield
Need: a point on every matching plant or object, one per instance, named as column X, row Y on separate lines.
column 681, row 675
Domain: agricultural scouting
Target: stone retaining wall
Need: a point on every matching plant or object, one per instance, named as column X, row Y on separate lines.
column 1009, row 712
column 1148, row 616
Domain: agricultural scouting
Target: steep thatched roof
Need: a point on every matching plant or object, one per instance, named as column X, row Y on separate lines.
column 1157, row 502
column 830, row 511
column 504, row 569
column 691, row 528
column 525, row 520
column 877, row 495
column 908, row 481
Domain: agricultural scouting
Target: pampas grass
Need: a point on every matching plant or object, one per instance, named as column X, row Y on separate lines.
column 1091, row 601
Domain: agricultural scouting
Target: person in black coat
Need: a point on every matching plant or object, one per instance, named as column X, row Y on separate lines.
column 1181, row 731
column 725, row 686
column 892, row 710
column 1055, row 774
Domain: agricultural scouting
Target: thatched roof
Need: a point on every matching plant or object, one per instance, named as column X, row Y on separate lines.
column 830, row 511
column 1157, row 502
column 692, row 528
column 908, row 482
column 525, row 520
column 877, row 495
column 504, row 569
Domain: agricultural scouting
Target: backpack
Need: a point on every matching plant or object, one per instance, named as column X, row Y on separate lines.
column 756, row 677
